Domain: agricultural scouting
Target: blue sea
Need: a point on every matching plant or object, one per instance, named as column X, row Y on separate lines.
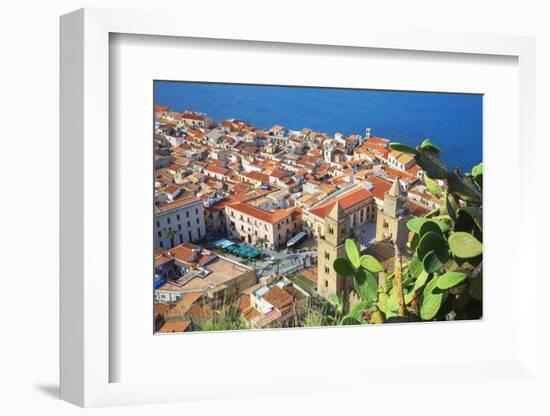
column 452, row 121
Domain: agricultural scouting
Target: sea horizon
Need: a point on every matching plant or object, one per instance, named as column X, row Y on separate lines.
column 451, row 120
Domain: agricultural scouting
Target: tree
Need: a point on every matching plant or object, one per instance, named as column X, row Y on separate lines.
column 260, row 243
column 170, row 234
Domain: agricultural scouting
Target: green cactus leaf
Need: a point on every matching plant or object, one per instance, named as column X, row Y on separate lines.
column 443, row 223
column 428, row 144
column 366, row 286
column 413, row 242
column 382, row 302
column 431, row 301
column 475, row 214
column 430, row 225
column 371, row 264
column 334, row 299
column 432, row 185
column 421, row 280
column 358, row 309
column 432, row 164
column 450, row 206
column 350, row 320
column 464, row 187
column 432, row 241
column 464, row 245
column 450, row 280
column 432, row 263
column 477, row 170
column 343, row 267
column 352, row 252
column 377, row 318
column 402, row 148
column 415, row 266
column 414, row 224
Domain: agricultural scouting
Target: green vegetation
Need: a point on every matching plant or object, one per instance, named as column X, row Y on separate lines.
column 443, row 280
column 224, row 319
column 303, row 282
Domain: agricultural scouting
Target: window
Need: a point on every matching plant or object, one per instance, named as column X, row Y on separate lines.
column 181, row 239
column 188, row 223
column 330, row 230
column 190, row 236
column 168, row 220
column 327, row 255
column 199, row 230
column 158, row 223
column 326, row 283
column 161, row 245
column 159, row 233
column 179, row 227
column 186, row 214
column 197, row 211
column 178, row 217
column 198, row 221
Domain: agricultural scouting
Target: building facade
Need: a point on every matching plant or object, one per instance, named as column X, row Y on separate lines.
column 392, row 218
column 330, row 247
column 251, row 224
column 179, row 221
column 358, row 205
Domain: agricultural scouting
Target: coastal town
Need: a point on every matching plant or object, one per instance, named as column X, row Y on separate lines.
column 248, row 222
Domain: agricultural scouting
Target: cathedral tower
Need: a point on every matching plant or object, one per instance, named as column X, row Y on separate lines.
column 329, row 248
column 393, row 216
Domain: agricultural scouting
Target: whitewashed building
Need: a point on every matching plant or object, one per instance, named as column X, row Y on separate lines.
column 179, row 221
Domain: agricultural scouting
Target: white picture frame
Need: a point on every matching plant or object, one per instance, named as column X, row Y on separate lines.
column 86, row 356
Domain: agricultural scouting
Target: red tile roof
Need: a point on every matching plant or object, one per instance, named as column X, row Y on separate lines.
column 216, row 169
column 193, row 116
column 267, row 216
column 381, row 186
column 347, row 200
column 178, row 203
column 178, row 326
column 161, row 108
column 417, row 209
column 278, row 297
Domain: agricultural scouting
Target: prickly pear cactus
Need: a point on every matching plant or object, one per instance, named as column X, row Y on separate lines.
column 443, row 280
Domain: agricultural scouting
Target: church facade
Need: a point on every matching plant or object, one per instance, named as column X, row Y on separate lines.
column 391, row 225
column 391, row 220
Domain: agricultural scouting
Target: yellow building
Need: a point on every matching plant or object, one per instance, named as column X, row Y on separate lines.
column 391, row 221
column 331, row 247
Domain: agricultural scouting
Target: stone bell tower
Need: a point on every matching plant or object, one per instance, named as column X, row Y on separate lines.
column 392, row 218
column 329, row 248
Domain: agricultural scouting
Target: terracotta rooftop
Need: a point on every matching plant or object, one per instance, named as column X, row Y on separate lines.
column 161, row 108
column 177, row 203
column 193, row 116
column 177, row 326
column 381, row 186
column 278, row 297
column 216, row 169
column 183, row 306
column 347, row 200
column 271, row 217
